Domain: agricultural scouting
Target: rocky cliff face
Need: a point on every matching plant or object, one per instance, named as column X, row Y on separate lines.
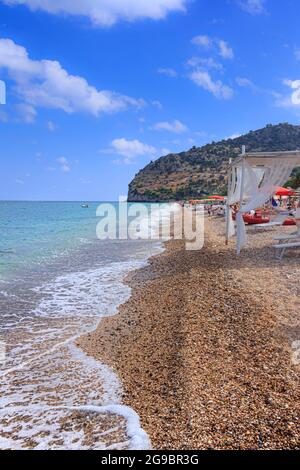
column 202, row 171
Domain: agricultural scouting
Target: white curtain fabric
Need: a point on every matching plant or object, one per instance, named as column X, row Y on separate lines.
column 233, row 197
column 260, row 184
column 252, row 180
column 298, row 219
column 230, row 222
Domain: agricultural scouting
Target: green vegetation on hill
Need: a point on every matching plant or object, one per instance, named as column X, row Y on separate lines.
column 294, row 182
column 202, row 171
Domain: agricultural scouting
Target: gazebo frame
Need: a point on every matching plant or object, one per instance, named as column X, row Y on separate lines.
column 255, row 160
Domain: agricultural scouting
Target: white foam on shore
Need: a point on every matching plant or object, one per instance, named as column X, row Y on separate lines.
column 158, row 225
column 56, row 376
column 71, row 304
column 46, row 431
column 139, row 439
column 46, row 378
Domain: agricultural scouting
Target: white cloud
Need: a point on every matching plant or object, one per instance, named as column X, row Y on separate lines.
column 64, row 165
column 254, row 7
column 46, row 84
column 209, row 63
column 130, row 149
column 106, row 12
column 217, row 88
column 297, row 53
column 85, row 181
column 201, row 133
column 2, row 92
column 26, row 112
column 224, row 50
column 65, row 168
column 203, row 41
column 168, row 71
column 233, row 136
column 244, row 82
column 176, row 126
column 201, row 75
column 62, row 160
column 3, row 116
column 51, row 126
column 294, row 98
column 157, row 104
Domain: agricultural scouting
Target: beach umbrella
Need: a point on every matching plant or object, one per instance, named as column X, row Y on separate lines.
column 216, row 198
column 284, row 192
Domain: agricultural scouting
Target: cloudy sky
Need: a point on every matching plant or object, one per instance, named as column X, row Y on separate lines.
column 98, row 88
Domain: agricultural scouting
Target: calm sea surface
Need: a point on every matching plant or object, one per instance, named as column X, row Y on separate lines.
column 57, row 280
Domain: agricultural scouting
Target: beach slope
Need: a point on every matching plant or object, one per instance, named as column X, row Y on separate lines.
column 203, row 346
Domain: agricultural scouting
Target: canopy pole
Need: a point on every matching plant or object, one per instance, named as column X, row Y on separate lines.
column 243, row 176
column 240, row 213
column 228, row 213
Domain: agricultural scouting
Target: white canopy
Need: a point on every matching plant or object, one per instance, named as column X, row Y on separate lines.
column 253, row 179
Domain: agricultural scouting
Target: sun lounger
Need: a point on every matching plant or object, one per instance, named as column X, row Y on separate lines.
column 277, row 222
column 285, row 246
column 269, row 225
column 292, row 236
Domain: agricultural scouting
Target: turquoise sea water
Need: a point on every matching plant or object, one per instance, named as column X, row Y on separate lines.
column 36, row 232
column 57, row 280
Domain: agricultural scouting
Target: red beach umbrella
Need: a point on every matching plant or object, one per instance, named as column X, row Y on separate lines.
column 284, row 192
column 216, row 198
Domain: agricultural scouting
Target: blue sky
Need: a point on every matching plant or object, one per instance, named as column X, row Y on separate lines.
column 96, row 88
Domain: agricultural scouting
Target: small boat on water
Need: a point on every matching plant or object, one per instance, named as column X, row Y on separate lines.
column 84, row 206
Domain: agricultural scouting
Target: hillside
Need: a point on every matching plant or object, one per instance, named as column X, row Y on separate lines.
column 201, row 171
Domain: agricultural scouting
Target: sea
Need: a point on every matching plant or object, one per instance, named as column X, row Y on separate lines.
column 57, row 281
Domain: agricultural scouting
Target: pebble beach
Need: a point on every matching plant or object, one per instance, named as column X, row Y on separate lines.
column 206, row 347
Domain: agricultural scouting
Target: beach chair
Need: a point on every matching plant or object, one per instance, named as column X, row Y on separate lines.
column 277, row 222
column 291, row 236
column 268, row 225
column 287, row 238
column 281, row 248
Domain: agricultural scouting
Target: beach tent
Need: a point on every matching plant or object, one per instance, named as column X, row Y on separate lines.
column 253, row 180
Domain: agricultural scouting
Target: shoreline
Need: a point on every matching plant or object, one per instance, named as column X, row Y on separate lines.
column 204, row 356
column 94, row 416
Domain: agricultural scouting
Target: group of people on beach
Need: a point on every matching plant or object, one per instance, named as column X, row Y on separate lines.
column 290, row 205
